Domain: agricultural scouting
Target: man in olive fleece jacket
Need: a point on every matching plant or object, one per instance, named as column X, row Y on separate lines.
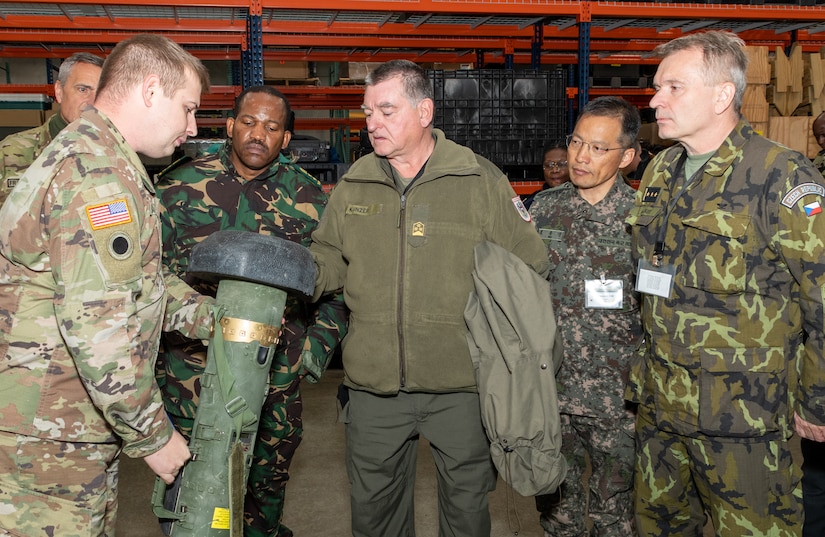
column 398, row 236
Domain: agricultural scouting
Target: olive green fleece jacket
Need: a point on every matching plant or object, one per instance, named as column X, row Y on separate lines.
column 405, row 262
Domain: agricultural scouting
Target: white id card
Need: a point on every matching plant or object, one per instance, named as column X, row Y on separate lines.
column 603, row 294
column 654, row 280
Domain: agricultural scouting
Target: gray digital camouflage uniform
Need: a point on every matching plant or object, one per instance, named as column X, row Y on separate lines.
column 738, row 345
column 592, row 242
column 206, row 195
column 82, row 295
column 18, row 151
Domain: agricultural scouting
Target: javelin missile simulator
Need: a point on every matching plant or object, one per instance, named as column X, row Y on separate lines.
column 254, row 273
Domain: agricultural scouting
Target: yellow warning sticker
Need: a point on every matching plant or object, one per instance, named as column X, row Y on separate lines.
column 220, row 519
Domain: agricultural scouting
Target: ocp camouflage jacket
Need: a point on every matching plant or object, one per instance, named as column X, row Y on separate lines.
column 83, row 295
column 18, row 151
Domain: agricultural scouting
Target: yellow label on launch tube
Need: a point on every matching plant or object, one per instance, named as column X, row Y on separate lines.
column 220, row 519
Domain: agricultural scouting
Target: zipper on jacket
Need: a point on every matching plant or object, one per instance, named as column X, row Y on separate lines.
column 400, row 283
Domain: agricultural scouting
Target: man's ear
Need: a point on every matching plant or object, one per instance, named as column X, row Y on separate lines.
column 150, row 89
column 58, row 92
column 287, row 139
column 627, row 157
column 725, row 93
column 426, row 111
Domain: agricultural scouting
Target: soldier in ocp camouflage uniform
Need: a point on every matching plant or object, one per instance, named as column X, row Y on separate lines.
column 582, row 224
column 249, row 185
column 83, row 295
column 728, row 232
column 74, row 90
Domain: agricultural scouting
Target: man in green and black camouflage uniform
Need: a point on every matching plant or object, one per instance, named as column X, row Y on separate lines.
column 249, row 185
column 728, row 233
column 582, row 224
column 74, row 90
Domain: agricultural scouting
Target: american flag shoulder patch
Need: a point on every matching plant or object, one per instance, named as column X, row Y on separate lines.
column 109, row 214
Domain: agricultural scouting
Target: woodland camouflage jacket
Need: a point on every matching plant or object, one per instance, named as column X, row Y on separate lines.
column 738, row 345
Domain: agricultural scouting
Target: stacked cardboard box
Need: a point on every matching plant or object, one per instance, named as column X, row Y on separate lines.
column 288, row 73
column 755, row 105
column 793, row 92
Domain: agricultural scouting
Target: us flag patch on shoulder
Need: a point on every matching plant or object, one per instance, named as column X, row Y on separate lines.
column 109, row 214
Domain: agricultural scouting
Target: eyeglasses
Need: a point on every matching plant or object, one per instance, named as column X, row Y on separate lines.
column 550, row 164
column 596, row 149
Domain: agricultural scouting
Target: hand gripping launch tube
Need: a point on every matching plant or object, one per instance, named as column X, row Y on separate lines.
column 255, row 273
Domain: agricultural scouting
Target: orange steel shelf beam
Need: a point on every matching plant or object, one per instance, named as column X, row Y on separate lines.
column 653, row 10
column 483, row 7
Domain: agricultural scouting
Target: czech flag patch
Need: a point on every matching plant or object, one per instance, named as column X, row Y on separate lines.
column 813, row 208
column 109, row 214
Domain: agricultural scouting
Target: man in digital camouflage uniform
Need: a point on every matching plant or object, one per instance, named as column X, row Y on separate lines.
column 727, row 231
column 83, row 295
column 249, row 185
column 582, row 222
column 74, row 90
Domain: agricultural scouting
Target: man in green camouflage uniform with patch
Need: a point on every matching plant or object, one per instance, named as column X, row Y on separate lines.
column 583, row 225
column 249, row 185
column 83, row 298
column 728, row 233
column 74, row 90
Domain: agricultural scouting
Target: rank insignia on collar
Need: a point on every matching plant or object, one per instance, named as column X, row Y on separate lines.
column 651, row 194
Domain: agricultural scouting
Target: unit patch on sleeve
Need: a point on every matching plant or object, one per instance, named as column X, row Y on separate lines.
column 800, row 191
column 109, row 214
column 522, row 210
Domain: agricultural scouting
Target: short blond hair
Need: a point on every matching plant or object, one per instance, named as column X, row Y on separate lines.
column 135, row 58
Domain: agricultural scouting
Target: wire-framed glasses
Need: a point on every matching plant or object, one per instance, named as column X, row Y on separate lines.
column 575, row 143
column 555, row 164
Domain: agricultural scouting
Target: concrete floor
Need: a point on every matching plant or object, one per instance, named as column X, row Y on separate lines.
column 317, row 499
column 317, row 503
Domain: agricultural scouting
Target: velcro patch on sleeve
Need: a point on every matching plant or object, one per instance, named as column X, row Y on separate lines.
column 800, row 191
column 109, row 214
column 522, row 210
